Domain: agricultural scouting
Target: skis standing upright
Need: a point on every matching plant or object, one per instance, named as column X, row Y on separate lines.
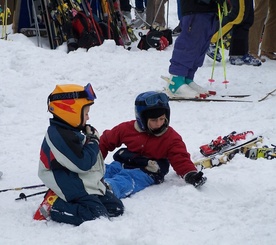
column 88, row 11
column 108, row 17
column 5, row 13
column 51, row 22
column 121, row 22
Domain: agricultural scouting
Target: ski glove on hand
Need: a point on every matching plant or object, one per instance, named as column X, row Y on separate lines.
column 195, row 178
column 92, row 134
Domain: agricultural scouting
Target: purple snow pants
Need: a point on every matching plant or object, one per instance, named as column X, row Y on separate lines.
column 191, row 45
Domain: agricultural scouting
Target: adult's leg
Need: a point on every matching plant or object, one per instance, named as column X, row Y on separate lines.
column 269, row 37
column 125, row 6
column 255, row 31
column 192, row 43
column 139, row 5
column 239, row 40
column 160, row 13
column 150, row 12
column 234, row 17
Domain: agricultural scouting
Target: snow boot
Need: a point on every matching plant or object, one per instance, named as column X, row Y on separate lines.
column 176, row 31
column 127, row 16
column 43, row 211
column 178, row 87
column 211, row 52
column 247, row 59
column 140, row 17
column 270, row 55
column 196, row 87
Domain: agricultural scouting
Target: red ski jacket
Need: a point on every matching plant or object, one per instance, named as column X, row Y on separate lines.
column 168, row 145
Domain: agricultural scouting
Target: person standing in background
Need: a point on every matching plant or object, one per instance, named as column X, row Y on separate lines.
column 238, row 20
column 198, row 24
column 155, row 14
column 263, row 30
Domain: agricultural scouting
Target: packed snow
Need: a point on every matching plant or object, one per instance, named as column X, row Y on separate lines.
column 235, row 206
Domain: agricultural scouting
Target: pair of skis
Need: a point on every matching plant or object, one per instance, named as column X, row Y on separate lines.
column 223, row 156
column 217, row 98
column 261, row 152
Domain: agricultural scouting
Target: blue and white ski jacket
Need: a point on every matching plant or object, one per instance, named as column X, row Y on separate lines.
column 68, row 165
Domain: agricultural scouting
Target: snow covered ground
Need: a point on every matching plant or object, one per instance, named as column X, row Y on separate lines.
column 235, row 206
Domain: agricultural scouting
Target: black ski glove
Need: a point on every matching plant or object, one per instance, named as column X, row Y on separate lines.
column 92, row 135
column 195, row 178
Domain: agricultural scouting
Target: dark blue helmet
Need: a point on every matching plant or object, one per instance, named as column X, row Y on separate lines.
column 151, row 105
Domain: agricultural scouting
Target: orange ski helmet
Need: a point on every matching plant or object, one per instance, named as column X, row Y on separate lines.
column 67, row 101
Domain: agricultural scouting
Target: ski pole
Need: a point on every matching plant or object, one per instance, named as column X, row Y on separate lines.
column 168, row 7
column 222, row 46
column 23, row 196
column 225, row 11
column 211, row 80
column 21, row 188
column 39, row 43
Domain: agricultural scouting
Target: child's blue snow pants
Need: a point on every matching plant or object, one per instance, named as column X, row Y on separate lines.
column 125, row 182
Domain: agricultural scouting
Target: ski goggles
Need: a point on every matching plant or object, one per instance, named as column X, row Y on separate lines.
column 156, row 99
column 88, row 94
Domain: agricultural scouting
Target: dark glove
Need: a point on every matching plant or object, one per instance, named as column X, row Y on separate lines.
column 92, row 135
column 195, row 178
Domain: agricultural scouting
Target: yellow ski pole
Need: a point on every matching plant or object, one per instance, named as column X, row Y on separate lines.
column 211, row 80
column 2, row 22
column 222, row 46
column 225, row 12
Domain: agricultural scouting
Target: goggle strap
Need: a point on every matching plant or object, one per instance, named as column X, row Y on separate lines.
column 68, row 96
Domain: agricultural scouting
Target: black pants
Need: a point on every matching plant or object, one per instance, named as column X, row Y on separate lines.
column 125, row 6
column 86, row 208
column 239, row 41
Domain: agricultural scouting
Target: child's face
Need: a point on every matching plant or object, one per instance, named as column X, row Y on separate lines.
column 156, row 123
column 86, row 110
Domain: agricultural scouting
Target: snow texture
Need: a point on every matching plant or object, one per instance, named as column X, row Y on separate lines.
column 235, row 206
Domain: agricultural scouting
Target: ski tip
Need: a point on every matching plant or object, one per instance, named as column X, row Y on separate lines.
column 201, row 96
column 212, row 92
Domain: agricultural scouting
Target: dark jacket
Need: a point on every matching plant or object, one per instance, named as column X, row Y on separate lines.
column 197, row 6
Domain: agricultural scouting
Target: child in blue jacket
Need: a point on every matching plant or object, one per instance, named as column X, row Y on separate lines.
column 71, row 164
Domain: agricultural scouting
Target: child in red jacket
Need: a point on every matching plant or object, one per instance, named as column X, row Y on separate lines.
column 151, row 147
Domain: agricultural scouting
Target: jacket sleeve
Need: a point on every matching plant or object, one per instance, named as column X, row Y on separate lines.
column 179, row 157
column 69, row 150
column 111, row 139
